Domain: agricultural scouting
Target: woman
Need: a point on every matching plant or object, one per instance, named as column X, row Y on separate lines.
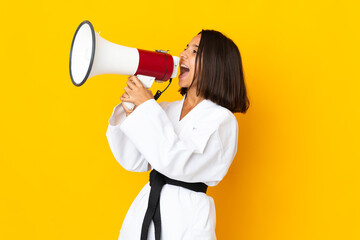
column 189, row 142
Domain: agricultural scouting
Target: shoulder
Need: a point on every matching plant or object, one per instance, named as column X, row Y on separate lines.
column 213, row 117
column 223, row 122
column 217, row 113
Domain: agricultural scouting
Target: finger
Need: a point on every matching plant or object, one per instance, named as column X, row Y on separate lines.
column 131, row 84
column 125, row 95
column 128, row 91
column 125, row 99
column 136, row 81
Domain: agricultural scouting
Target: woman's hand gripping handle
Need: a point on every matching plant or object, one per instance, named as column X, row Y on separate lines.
column 136, row 92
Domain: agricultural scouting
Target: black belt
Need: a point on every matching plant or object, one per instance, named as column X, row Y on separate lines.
column 157, row 181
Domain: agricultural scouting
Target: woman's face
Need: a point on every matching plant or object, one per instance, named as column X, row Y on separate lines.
column 187, row 63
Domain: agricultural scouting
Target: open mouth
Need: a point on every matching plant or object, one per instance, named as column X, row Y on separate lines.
column 184, row 70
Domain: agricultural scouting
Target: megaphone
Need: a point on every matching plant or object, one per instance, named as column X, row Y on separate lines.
column 92, row 55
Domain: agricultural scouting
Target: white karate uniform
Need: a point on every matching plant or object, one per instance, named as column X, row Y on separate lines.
column 199, row 148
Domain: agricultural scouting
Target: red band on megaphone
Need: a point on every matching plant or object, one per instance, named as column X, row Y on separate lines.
column 155, row 64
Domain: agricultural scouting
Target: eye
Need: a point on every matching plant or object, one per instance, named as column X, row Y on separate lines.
column 194, row 51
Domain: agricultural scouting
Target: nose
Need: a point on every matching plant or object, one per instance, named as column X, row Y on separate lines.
column 183, row 54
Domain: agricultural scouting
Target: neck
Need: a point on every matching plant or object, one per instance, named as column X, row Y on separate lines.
column 192, row 99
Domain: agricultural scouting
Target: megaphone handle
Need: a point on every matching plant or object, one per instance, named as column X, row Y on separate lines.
column 147, row 82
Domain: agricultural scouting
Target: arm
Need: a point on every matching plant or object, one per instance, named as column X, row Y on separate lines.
column 204, row 156
column 123, row 149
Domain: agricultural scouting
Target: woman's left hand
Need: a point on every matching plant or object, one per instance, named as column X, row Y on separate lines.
column 136, row 93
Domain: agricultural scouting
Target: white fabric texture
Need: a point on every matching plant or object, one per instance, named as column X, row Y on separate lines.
column 198, row 148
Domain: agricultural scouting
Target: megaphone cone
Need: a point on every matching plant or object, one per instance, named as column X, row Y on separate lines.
column 91, row 55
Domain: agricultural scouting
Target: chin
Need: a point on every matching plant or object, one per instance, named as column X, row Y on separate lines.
column 183, row 85
column 185, row 82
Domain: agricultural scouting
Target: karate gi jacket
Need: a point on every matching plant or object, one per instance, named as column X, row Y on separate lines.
column 198, row 148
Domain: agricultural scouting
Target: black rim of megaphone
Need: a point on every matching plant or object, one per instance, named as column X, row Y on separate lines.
column 92, row 53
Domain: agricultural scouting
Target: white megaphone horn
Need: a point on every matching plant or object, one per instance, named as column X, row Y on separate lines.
column 92, row 55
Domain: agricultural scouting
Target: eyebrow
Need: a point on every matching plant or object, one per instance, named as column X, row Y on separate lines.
column 193, row 45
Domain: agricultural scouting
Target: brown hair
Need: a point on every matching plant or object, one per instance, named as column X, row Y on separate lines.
column 219, row 72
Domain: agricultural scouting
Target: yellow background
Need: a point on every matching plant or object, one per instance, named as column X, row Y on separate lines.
column 296, row 173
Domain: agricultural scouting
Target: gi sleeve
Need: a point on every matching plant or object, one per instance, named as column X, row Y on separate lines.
column 124, row 151
column 204, row 156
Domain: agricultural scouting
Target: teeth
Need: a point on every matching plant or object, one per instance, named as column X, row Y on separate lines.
column 182, row 65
